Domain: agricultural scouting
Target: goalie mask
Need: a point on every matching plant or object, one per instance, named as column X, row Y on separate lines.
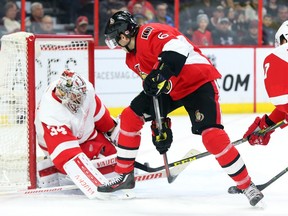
column 281, row 34
column 122, row 22
column 72, row 90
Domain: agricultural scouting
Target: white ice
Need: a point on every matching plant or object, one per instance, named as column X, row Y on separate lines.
column 200, row 190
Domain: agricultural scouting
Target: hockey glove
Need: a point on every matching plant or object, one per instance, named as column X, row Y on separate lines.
column 155, row 84
column 162, row 142
column 113, row 134
column 259, row 124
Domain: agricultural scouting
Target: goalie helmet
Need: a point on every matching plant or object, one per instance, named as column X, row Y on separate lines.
column 281, row 34
column 72, row 90
column 122, row 22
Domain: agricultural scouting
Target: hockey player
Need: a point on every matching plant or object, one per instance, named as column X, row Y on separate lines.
column 174, row 70
column 70, row 125
column 275, row 66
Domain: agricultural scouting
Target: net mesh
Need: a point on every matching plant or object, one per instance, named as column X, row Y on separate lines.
column 52, row 56
column 14, row 145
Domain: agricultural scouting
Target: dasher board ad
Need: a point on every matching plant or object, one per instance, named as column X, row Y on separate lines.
column 117, row 85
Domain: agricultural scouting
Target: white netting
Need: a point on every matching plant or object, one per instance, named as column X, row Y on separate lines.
column 52, row 56
column 14, row 147
column 56, row 55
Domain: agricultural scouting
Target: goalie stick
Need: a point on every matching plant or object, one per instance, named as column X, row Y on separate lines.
column 204, row 154
column 138, row 178
column 235, row 190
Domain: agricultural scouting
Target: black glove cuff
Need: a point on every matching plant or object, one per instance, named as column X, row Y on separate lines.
column 166, row 72
column 268, row 121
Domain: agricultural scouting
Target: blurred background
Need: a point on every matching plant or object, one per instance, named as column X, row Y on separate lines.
column 206, row 22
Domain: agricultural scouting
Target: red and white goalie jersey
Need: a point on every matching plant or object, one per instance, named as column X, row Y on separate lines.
column 275, row 77
column 62, row 134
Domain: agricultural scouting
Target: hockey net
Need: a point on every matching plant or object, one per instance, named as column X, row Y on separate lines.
column 28, row 64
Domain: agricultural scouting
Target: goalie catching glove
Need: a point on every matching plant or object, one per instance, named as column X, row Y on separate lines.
column 254, row 138
column 162, row 141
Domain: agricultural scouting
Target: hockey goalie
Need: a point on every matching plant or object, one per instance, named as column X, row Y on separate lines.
column 71, row 128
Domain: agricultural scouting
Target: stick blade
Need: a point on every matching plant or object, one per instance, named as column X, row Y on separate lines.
column 175, row 171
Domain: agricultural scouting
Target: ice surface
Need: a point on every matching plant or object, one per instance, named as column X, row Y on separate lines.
column 200, row 190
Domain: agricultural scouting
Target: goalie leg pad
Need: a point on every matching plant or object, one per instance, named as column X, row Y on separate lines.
column 82, row 172
column 47, row 174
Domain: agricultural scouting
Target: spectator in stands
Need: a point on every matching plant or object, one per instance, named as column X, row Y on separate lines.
column 218, row 14
column 282, row 16
column 271, row 7
column 161, row 15
column 269, row 32
column 81, row 26
column 147, row 7
column 202, row 37
column 252, row 37
column 207, row 7
column 115, row 7
column 231, row 15
column 9, row 20
column 47, row 25
column 223, row 35
column 137, row 12
column 137, row 8
column 33, row 23
column 241, row 23
column 140, row 19
column 250, row 12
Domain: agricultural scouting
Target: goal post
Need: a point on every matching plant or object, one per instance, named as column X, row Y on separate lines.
column 28, row 64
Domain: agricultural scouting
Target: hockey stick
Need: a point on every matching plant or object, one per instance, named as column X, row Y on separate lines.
column 170, row 178
column 235, row 190
column 204, row 154
column 138, row 178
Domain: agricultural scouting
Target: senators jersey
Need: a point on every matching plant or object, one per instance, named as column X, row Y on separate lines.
column 153, row 39
column 60, row 132
column 275, row 77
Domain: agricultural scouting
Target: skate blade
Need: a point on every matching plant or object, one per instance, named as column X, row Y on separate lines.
column 260, row 205
column 124, row 194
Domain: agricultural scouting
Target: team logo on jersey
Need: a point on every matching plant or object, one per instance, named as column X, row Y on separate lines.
column 199, row 116
column 146, row 32
column 142, row 74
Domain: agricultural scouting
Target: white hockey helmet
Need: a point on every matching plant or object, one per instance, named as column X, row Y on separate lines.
column 72, row 90
column 281, row 33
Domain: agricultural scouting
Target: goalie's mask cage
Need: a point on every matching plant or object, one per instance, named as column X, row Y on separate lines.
column 28, row 64
column 72, row 90
column 122, row 22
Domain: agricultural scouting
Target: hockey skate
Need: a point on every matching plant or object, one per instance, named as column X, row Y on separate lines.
column 253, row 194
column 118, row 187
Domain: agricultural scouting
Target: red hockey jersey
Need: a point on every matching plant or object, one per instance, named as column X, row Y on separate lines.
column 275, row 77
column 155, row 38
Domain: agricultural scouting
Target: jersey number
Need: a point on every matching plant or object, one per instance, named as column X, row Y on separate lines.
column 266, row 67
column 55, row 130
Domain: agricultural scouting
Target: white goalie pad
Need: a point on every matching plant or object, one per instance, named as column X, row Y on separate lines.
column 82, row 172
column 47, row 175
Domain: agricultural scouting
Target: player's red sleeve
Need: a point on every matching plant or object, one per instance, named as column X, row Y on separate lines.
column 61, row 144
column 277, row 116
column 102, row 117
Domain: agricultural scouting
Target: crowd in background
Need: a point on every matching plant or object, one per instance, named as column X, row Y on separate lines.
column 205, row 22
